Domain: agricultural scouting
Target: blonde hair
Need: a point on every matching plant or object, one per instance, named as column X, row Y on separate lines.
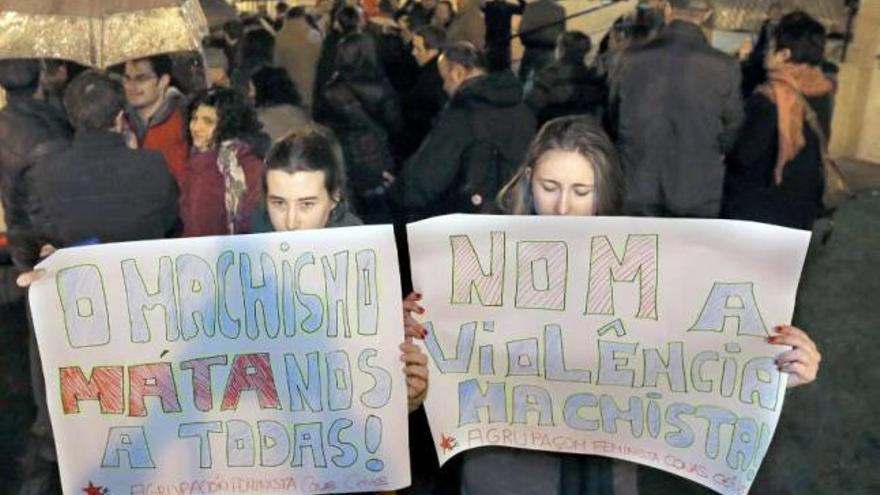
column 577, row 134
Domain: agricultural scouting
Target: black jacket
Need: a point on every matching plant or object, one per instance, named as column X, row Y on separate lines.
column 486, row 110
column 29, row 130
column 679, row 109
column 365, row 115
column 420, row 105
column 100, row 190
column 566, row 89
column 750, row 192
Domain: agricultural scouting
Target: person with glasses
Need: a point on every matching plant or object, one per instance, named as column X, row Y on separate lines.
column 155, row 111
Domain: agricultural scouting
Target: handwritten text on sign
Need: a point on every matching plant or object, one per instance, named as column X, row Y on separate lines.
column 226, row 365
column 640, row 339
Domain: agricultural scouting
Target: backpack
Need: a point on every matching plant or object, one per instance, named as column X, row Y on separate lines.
column 485, row 170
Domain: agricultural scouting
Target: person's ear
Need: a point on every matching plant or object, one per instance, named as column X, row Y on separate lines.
column 164, row 81
column 667, row 12
column 785, row 55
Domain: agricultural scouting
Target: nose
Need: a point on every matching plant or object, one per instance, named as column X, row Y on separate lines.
column 292, row 220
column 563, row 205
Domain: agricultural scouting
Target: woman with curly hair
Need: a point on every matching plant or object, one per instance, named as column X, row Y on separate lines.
column 222, row 186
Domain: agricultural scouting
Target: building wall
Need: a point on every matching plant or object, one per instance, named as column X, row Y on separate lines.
column 856, row 127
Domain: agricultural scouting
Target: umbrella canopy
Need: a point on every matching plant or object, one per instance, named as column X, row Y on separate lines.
column 218, row 12
column 99, row 33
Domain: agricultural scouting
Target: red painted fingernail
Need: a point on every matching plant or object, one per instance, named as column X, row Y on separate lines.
column 418, row 296
column 421, row 311
column 771, row 339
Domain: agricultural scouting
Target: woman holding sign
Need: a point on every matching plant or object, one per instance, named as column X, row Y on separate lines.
column 572, row 169
column 305, row 185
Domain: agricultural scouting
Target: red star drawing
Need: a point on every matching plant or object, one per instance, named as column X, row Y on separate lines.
column 94, row 490
column 447, row 443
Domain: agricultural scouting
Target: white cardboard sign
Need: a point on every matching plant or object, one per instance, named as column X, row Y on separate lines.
column 639, row 339
column 246, row 364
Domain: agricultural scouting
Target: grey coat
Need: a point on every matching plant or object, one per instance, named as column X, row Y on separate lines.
column 678, row 108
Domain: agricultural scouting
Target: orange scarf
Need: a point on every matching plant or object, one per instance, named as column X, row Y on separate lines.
column 782, row 88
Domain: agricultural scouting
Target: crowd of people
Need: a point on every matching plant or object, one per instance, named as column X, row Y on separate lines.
column 351, row 113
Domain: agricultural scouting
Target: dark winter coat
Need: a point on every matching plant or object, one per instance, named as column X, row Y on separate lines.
column 29, row 130
column 99, row 190
column 420, row 105
column 566, row 89
column 365, row 115
column 750, row 192
column 203, row 198
column 678, row 111
column 260, row 222
column 486, row 112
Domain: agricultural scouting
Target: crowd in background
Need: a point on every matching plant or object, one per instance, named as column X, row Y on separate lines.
column 354, row 112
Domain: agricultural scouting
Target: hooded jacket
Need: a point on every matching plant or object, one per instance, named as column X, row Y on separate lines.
column 562, row 89
column 165, row 132
column 487, row 109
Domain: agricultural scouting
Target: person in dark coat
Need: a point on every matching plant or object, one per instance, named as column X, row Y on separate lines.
column 29, row 130
column 677, row 108
column 364, row 111
column 774, row 174
column 74, row 196
column 222, row 187
column 347, row 20
column 542, row 23
column 426, row 98
column 479, row 139
column 567, row 86
column 498, row 15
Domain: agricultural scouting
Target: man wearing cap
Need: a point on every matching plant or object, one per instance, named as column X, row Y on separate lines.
column 677, row 108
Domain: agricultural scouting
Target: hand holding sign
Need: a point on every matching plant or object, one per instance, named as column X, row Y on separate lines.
column 802, row 361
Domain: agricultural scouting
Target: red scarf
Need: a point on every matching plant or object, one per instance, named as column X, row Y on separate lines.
column 782, row 88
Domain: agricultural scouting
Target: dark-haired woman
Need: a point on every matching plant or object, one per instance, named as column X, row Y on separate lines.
column 222, row 186
column 306, row 189
column 363, row 110
column 774, row 173
column 278, row 102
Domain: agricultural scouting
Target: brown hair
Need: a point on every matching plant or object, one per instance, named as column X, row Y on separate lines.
column 312, row 148
column 578, row 134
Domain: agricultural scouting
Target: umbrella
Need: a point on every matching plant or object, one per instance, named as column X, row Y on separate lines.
column 218, row 12
column 99, row 33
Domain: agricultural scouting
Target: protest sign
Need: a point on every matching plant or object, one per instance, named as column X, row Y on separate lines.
column 244, row 364
column 638, row 339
